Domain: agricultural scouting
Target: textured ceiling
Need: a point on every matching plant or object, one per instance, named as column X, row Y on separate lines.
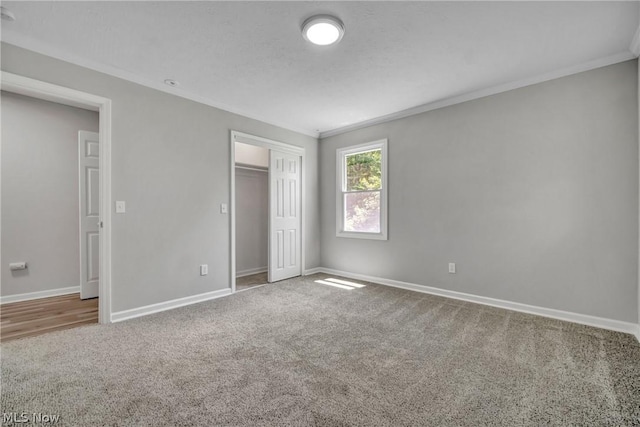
column 250, row 58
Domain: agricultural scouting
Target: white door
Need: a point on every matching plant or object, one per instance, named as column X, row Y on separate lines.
column 284, row 216
column 89, row 149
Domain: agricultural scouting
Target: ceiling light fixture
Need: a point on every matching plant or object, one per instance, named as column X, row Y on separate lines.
column 323, row 30
column 6, row 14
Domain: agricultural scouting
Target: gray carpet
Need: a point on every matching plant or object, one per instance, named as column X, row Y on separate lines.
column 300, row 353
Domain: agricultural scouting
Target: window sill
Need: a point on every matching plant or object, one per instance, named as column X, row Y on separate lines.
column 367, row 236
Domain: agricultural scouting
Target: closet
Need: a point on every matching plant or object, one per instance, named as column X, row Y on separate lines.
column 252, row 215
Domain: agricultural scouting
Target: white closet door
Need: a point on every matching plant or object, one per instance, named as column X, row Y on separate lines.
column 284, row 216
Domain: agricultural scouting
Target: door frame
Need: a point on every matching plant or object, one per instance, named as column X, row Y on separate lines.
column 259, row 141
column 63, row 95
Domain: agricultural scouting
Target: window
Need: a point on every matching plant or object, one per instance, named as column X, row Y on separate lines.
column 362, row 191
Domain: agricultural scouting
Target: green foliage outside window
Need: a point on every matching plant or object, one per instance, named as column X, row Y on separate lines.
column 364, row 171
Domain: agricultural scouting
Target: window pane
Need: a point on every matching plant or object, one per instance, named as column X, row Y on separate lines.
column 362, row 212
column 364, row 171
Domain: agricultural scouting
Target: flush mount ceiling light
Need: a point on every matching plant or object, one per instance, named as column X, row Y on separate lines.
column 6, row 14
column 323, row 30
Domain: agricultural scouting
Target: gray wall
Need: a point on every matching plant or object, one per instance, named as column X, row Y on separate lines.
column 532, row 192
column 40, row 193
column 170, row 161
column 252, row 219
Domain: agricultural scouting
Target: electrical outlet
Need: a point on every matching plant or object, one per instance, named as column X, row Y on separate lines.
column 452, row 268
column 223, row 208
column 204, row 269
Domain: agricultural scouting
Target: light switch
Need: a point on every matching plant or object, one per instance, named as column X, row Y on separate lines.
column 223, row 208
column 120, row 207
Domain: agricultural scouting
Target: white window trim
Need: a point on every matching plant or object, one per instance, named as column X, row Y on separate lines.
column 341, row 154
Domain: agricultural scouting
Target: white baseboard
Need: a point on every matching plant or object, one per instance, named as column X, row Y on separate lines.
column 311, row 271
column 40, row 294
column 167, row 305
column 598, row 322
column 251, row 271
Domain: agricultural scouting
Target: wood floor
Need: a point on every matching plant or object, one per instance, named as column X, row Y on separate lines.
column 37, row 317
column 252, row 281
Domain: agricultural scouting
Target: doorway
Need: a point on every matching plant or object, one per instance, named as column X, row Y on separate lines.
column 267, row 214
column 40, row 173
column 252, row 215
column 69, row 97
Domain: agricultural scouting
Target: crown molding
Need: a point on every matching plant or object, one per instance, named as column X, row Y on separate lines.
column 470, row 96
column 45, row 49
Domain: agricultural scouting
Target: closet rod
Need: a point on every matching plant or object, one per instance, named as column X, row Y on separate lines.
column 257, row 169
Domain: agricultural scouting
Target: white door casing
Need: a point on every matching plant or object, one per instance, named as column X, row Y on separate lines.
column 284, row 215
column 63, row 95
column 89, row 167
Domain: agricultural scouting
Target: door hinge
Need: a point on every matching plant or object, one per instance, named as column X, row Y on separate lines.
column 100, row 224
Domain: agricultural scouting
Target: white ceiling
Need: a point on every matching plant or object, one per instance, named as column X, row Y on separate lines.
column 250, row 57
